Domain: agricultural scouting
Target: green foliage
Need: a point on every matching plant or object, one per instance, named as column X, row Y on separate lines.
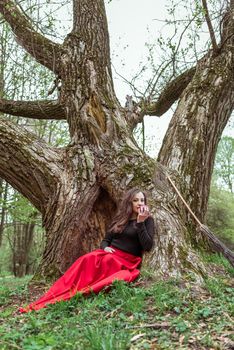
column 20, row 208
column 218, row 259
column 168, row 314
column 220, row 216
column 167, row 296
column 12, row 287
column 224, row 164
column 220, row 211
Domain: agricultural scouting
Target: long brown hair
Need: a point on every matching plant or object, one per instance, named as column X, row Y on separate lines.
column 124, row 211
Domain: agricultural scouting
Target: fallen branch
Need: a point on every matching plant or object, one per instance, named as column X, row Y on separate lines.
column 151, row 325
column 217, row 244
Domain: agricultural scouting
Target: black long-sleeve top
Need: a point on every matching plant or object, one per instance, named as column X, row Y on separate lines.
column 134, row 239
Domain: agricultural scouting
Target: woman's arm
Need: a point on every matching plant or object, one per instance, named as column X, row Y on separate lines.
column 106, row 242
column 146, row 231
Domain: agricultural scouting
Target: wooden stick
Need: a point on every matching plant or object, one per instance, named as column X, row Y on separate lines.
column 217, row 244
column 183, row 200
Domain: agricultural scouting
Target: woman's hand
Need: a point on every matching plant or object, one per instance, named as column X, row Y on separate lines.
column 109, row 250
column 143, row 213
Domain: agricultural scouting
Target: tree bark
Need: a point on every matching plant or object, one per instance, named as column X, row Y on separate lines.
column 33, row 109
column 170, row 94
column 31, row 166
column 190, row 143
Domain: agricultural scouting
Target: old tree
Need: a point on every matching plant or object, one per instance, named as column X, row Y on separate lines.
column 77, row 188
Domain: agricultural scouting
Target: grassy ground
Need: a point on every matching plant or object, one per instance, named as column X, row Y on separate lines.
column 148, row 314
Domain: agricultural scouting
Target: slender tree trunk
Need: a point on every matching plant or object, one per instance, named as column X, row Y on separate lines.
column 3, row 198
column 22, row 242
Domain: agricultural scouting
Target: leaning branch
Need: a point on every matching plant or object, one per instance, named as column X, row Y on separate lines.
column 42, row 49
column 135, row 112
column 169, row 95
column 217, row 244
column 43, row 109
column 210, row 27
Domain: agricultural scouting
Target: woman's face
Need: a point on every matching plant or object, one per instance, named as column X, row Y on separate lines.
column 137, row 202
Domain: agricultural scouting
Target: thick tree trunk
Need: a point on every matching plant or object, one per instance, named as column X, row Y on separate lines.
column 79, row 219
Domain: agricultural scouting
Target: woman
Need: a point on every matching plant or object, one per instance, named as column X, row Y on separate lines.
column 130, row 234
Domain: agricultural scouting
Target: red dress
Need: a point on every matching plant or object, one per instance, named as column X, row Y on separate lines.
column 90, row 273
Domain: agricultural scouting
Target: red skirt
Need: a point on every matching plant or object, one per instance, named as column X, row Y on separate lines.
column 90, row 273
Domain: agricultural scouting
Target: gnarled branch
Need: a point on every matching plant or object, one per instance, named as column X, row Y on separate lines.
column 31, row 166
column 170, row 94
column 42, row 49
column 42, row 109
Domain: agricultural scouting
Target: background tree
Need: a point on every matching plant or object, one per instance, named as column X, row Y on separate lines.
column 76, row 188
column 221, row 200
column 224, row 167
column 23, row 219
column 220, row 215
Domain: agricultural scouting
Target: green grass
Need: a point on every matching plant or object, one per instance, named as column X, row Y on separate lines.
column 170, row 314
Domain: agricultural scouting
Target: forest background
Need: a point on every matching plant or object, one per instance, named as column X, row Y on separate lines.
column 162, row 28
column 152, row 43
